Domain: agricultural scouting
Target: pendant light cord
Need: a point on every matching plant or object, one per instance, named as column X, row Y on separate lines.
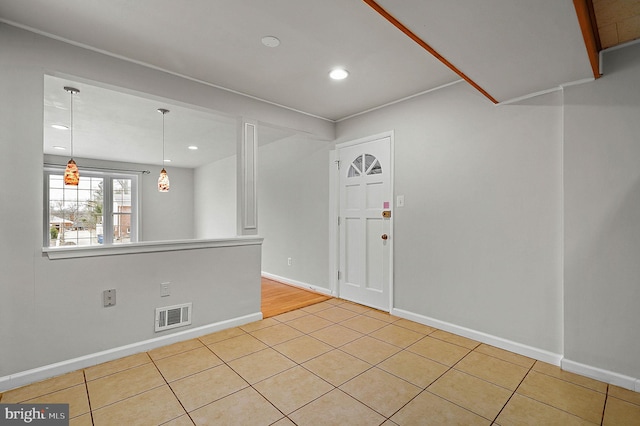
column 71, row 121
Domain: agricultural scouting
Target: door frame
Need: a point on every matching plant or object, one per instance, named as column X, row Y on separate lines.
column 334, row 211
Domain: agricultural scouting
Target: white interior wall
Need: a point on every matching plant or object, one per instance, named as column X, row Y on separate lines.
column 293, row 194
column 602, row 220
column 216, row 199
column 51, row 311
column 478, row 243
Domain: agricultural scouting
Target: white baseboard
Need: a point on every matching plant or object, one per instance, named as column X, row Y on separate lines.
column 295, row 283
column 41, row 373
column 627, row 382
column 519, row 348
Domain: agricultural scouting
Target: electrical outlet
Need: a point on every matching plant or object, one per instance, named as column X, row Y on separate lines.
column 289, row 261
column 164, row 289
column 109, row 297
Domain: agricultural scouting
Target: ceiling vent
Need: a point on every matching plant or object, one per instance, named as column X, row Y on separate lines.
column 173, row 316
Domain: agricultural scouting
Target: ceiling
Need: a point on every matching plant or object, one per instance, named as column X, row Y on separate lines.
column 508, row 48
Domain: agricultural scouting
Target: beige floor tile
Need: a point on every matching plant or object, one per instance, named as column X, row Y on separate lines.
column 336, row 408
column 483, row 398
column 257, row 325
column 619, row 412
column 335, row 301
column 186, row 363
column 75, row 396
column 292, row 389
column 455, row 339
column 578, row 400
column 355, row 307
column 382, row 316
column 43, row 388
column 336, row 314
column 336, row 367
column 174, row 349
column 523, row 411
column 309, row 323
column 428, row 409
column 414, row 326
column 153, row 407
column 180, row 421
column 397, row 336
column 276, row 334
column 438, row 350
column 494, row 370
column 236, row 347
column 317, row 307
column 336, row 335
column 122, row 385
column 363, row 324
column 246, row 407
column 260, row 365
column 291, row 315
column 83, row 420
column 624, row 394
column 514, row 358
column 370, row 350
column 555, row 371
column 221, row 335
column 207, row 386
column 381, row 391
column 303, row 348
column 115, row 366
column 414, row 368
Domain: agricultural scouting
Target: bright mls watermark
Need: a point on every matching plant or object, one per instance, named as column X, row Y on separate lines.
column 34, row 414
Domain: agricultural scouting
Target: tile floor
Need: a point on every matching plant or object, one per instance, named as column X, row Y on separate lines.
column 332, row 363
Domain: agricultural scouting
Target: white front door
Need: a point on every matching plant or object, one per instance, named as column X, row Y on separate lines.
column 364, row 234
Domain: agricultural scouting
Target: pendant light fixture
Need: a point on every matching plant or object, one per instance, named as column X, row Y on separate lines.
column 163, row 180
column 71, row 173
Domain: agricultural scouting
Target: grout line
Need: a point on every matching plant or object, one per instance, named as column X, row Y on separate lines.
column 513, row 392
column 86, row 387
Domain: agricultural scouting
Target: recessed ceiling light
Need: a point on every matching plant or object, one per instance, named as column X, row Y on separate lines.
column 192, row 147
column 60, row 148
column 60, row 126
column 166, row 160
column 270, row 41
column 339, row 74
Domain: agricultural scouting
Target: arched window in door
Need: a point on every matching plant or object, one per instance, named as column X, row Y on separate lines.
column 363, row 165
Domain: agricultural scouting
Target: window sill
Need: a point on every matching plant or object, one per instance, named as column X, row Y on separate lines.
column 54, row 253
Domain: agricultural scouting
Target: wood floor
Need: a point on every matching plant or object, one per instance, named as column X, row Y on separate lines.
column 278, row 298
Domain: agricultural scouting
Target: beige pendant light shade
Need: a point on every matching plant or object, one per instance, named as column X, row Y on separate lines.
column 71, row 173
column 163, row 179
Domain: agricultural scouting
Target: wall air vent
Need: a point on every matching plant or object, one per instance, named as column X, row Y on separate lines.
column 173, row 316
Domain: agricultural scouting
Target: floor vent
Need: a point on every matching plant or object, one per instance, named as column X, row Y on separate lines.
column 173, row 316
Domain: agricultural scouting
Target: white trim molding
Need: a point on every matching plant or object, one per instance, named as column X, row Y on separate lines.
column 41, row 373
column 299, row 284
column 499, row 342
column 627, row 382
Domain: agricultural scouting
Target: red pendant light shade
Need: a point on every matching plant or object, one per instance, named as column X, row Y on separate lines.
column 71, row 173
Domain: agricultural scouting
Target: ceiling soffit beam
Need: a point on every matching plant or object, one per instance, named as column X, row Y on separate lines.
column 375, row 6
column 587, row 21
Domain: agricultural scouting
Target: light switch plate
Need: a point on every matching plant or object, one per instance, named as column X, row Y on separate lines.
column 164, row 289
column 400, row 201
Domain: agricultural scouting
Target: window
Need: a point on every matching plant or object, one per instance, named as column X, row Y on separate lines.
column 365, row 164
column 102, row 209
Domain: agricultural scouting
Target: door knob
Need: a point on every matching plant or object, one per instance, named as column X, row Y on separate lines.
column 385, row 237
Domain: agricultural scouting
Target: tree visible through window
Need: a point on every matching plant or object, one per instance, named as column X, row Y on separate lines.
column 102, row 209
column 365, row 164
